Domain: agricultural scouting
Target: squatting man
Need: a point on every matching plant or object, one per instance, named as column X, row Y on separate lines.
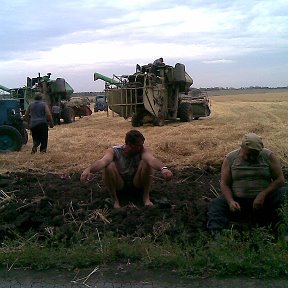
column 251, row 180
column 126, row 166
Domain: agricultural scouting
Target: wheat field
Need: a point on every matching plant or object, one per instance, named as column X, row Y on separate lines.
column 201, row 142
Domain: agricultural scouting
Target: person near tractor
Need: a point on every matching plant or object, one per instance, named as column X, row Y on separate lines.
column 38, row 116
column 252, row 183
column 158, row 62
column 56, row 114
column 128, row 165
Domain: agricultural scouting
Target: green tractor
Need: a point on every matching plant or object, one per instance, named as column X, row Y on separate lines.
column 12, row 130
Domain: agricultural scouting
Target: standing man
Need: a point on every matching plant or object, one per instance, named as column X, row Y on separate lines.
column 38, row 116
column 128, row 165
column 56, row 114
column 252, row 181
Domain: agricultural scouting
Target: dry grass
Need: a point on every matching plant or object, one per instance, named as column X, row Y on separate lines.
column 72, row 147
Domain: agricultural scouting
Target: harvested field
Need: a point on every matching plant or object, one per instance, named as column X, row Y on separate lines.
column 43, row 193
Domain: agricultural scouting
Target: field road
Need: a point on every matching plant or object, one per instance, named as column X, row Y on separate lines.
column 140, row 279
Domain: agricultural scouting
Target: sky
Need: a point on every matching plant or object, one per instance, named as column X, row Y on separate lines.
column 225, row 43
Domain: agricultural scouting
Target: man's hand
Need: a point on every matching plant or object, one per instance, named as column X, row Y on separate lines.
column 234, row 206
column 258, row 202
column 167, row 174
column 86, row 176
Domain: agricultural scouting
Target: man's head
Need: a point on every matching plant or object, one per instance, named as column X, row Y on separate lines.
column 251, row 145
column 161, row 59
column 38, row 96
column 134, row 141
column 133, row 137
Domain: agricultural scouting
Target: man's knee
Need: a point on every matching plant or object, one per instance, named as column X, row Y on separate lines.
column 143, row 174
column 217, row 214
column 110, row 167
column 218, row 203
column 278, row 198
column 111, row 176
column 144, row 167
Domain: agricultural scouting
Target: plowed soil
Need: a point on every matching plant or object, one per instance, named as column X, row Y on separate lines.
column 51, row 203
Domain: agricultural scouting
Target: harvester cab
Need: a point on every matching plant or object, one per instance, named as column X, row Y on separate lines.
column 153, row 95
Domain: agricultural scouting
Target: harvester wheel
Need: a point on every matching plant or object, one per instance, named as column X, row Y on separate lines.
column 10, row 139
column 159, row 121
column 185, row 112
column 68, row 115
column 136, row 120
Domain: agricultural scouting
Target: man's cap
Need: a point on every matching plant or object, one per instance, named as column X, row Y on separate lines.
column 252, row 141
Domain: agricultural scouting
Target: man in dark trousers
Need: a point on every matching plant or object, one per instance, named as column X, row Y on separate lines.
column 252, row 182
column 126, row 166
column 38, row 116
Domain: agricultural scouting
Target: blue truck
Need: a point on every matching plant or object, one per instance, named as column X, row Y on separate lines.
column 100, row 103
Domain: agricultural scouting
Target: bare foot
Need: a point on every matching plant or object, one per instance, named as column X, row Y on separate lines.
column 148, row 203
column 117, row 205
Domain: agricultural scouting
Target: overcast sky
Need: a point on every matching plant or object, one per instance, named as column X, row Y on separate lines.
column 227, row 43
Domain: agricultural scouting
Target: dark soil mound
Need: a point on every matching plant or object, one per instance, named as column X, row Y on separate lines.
column 50, row 203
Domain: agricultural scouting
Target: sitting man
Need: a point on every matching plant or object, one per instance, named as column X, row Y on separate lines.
column 156, row 64
column 252, row 182
column 128, row 165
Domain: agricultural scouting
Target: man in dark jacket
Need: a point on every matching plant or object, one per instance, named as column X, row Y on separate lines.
column 38, row 116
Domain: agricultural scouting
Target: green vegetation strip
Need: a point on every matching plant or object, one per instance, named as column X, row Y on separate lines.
column 254, row 253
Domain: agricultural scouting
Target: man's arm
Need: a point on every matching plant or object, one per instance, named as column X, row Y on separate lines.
column 26, row 115
column 156, row 164
column 225, row 185
column 48, row 114
column 278, row 181
column 98, row 165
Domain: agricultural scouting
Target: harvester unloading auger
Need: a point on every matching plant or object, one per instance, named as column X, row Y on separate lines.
column 149, row 97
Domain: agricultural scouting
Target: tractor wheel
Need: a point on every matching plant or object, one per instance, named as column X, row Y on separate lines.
column 10, row 139
column 136, row 120
column 185, row 112
column 159, row 121
column 68, row 115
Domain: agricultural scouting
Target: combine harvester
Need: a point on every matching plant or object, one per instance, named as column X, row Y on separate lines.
column 14, row 102
column 149, row 97
column 56, row 93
